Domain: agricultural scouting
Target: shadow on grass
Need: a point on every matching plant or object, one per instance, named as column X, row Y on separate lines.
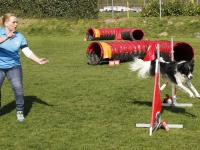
column 29, row 100
column 179, row 110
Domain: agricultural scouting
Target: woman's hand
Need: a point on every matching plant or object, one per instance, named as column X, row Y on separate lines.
column 10, row 35
column 43, row 61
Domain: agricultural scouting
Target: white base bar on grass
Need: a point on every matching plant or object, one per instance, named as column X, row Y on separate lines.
column 140, row 125
column 178, row 104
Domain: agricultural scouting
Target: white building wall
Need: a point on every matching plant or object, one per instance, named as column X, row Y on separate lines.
column 116, row 8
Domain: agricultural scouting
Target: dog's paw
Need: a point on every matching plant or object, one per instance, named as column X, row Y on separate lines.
column 198, row 96
column 192, row 96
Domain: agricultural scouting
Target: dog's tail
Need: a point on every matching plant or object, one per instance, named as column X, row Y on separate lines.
column 141, row 66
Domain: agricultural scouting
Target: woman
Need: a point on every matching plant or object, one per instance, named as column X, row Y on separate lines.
column 11, row 42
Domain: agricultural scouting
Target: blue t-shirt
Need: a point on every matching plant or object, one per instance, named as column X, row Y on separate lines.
column 9, row 49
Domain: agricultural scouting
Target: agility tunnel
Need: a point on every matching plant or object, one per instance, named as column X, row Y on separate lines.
column 102, row 52
column 182, row 50
column 114, row 34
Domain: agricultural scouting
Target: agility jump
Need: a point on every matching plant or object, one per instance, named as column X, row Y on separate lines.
column 156, row 122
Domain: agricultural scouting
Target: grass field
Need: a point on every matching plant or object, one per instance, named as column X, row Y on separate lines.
column 70, row 105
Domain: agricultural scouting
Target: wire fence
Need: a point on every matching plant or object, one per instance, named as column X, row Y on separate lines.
column 130, row 4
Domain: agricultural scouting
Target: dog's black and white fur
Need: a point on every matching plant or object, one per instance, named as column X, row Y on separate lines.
column 175, row 72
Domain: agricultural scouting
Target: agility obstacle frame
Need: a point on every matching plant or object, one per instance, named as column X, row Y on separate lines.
column 156, row 122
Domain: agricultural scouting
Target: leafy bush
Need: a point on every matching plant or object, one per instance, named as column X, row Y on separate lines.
column 170, row 8
column 51, row 8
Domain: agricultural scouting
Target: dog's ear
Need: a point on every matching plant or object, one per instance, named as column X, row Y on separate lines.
column 180, row 66
column 192, row 62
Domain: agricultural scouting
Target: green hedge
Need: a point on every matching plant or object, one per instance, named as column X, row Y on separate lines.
column 170, row 8
column 76, row 9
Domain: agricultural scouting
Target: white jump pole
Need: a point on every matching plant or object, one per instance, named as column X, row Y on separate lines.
column 173, row 86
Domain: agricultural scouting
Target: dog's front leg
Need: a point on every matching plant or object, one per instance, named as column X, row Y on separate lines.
column 185, row 89
column 193, row 88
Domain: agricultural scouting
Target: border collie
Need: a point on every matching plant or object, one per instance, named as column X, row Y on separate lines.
column 175, row 72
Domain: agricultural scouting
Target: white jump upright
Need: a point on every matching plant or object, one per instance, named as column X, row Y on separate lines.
column 174, row 102
column 156, row 121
